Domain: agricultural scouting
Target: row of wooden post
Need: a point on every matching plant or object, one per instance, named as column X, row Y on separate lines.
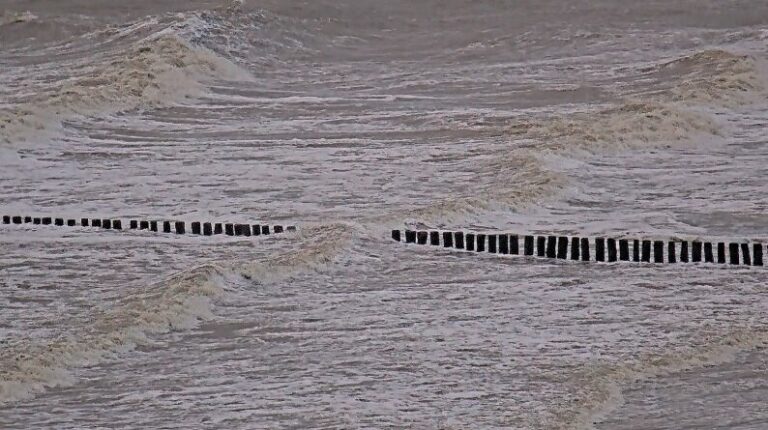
column 597, row 249
column 178, row 227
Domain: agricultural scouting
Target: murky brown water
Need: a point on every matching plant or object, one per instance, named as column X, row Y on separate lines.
column 349, row 118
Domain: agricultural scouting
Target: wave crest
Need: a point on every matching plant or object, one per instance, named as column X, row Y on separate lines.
column 633, row 124
column 154, row 72
column 178, row 303
column 27, row 370
column 512, row 179
column 715, row 77
column 7, row 18
column 599, row 388
column 315, row 247
column 518, row 176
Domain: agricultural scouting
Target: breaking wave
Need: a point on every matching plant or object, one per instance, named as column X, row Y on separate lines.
column 631, row 125
column 662, row 117
column 154, row 72
column 715, row 77
column 7, row 18
column 318, row 246
column 175, row 304
column 519, row 175
column 600, row 386
column 514, row 179
column 149, row 63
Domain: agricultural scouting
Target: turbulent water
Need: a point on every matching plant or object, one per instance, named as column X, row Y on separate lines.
column 349, row 118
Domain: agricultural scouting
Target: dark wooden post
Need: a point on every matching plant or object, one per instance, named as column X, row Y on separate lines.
column 459, row 239
column 623, row 250
column 708, row 255
column 599, row 249
column 447, row 239
column 611, row 243
column 562, row 247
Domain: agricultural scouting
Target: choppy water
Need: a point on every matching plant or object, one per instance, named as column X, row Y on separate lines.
column 349, row 118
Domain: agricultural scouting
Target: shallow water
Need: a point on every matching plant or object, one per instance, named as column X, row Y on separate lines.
column 349, row 119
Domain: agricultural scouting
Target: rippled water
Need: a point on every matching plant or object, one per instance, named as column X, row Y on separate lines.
column 349, row 119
